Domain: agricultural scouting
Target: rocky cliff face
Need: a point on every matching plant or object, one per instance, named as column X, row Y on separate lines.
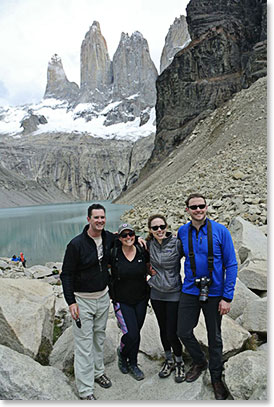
column 227, row 53
column 58, row 86
column 49, row 168
column 176, row 39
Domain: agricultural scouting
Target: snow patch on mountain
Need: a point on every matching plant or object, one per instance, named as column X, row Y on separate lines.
column 84, row 118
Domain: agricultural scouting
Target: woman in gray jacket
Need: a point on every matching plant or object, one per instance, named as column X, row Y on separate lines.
column 165, row 258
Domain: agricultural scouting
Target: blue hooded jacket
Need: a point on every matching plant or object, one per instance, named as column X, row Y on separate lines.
column 225, row 265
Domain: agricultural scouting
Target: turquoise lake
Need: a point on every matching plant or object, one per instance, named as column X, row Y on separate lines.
column 42, row 232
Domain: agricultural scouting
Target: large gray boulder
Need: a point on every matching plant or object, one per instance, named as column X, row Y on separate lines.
column 253, row 273
column 246, row 375
column 242, row 296
column 254, row 317
column 150, row 338
column 62, row 355
column 249, row 240
column 26, row 316
column 234, row 336
column 21, row 378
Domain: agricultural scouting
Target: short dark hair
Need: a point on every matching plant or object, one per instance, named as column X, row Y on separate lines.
column 194, row 195
column 95, row 206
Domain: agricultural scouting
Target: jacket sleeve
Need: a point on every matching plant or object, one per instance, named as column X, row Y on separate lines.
column 67, row 275
column 230, row 265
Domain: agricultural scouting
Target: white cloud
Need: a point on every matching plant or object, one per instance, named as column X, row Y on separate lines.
column 33, row 30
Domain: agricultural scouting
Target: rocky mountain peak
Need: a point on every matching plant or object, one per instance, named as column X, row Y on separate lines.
column 96, row 70
column 177, row 38
column 58, row 86
column 133, row 70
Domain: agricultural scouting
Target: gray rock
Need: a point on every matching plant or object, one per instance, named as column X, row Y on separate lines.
column 177, row 38
column 21, row 378
column 232, row 343
column 246, row 375
column 253, row 273
column 249, row 241
column 96, row 68
column 39, row 271
column 133, row 70
column 26, row 317
column 58, row 86
column 242, row 296
column 255, row 316
column 62, row 355
column 150, row 338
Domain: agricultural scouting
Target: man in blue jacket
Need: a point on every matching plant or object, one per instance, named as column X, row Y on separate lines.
column 210, row 276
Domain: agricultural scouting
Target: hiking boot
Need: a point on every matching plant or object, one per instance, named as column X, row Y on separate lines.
column 195, row 371
column 136, row 372
column 89, row 397
column 103, row 381
column 167, row 368
column 180, row 375
column 220, row 391
column 122, row 362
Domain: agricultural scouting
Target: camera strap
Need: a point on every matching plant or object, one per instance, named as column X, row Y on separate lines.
column 191, row 254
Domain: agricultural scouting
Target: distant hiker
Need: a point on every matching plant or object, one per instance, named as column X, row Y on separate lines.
column 165, row 258
column 22, row 259
column 130, row 294
column 15, row 258
column 210, row 276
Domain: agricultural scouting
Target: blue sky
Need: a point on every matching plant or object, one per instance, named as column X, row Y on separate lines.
column 31, row 31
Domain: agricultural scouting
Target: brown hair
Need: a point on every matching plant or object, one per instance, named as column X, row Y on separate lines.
column 195, row 195
column 150, row 219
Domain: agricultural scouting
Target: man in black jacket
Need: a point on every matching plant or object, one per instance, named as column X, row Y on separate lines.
column 84, row 278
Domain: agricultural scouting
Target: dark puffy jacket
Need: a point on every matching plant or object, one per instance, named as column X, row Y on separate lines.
column 165, row 259
column 81, row 269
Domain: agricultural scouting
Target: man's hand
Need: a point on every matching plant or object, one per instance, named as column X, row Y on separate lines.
column 142, row 242
column 224, row 307
column 74, row 310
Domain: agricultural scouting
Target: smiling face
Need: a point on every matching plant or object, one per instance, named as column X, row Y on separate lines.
column 158, row 229
column 97, row 221
column 127, row 237
column 197, row 209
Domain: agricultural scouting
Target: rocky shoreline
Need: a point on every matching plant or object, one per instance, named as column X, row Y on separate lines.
column 36, row 341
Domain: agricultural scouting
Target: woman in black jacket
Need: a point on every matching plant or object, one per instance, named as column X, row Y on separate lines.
column 165, row 253
column 130, row 296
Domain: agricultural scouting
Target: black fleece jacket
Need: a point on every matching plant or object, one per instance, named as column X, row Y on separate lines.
column 82, row 271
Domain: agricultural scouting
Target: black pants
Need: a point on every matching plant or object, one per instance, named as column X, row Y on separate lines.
column 188, row 317
column 167, row 314
column 130, row 319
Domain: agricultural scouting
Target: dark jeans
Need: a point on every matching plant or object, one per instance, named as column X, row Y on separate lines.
column 188, row 316
column 167, row 314
column 130, row 319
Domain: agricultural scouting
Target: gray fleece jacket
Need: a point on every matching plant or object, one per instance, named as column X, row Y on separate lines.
column 165, row 260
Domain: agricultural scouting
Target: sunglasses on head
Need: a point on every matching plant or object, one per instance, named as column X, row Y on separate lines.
column 126, row 234
column 194, row 207
column 162, row 227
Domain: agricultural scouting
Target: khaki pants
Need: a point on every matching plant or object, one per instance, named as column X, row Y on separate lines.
column 89, row 342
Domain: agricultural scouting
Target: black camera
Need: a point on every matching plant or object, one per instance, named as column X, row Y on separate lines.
column 78, row 322
column 203, row 284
